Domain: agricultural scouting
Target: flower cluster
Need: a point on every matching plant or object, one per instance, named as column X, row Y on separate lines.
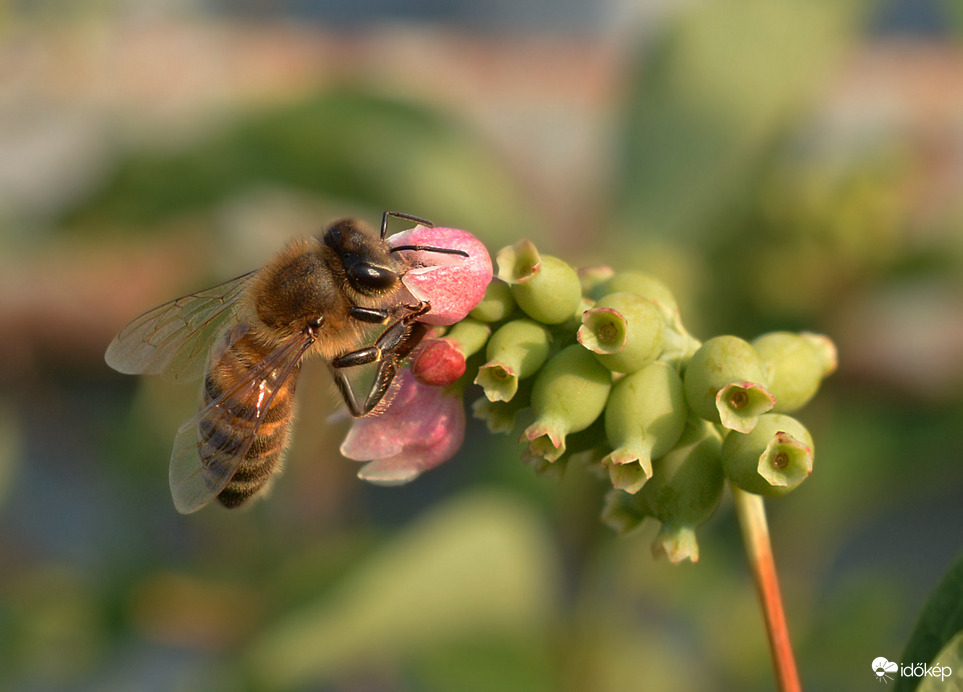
column 596, row 366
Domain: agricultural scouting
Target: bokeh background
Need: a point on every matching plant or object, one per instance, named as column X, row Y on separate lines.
column 794, row 165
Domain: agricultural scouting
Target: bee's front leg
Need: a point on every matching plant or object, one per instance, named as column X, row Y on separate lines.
column 393, row 346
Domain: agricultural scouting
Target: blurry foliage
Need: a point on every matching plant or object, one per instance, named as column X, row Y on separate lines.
column 707, row 100
column 54, row 626
column 10, row 448
column 717, row 185
column 938, row 636
column 953, row 12
column 476, row 565
column 347, row 145
column 810, row 231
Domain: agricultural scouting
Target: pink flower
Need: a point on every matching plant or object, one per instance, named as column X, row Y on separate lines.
column 453, row 284
column 422, row 427
column 423, row 424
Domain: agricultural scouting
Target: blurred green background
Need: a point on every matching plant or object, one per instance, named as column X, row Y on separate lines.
column 794, row 165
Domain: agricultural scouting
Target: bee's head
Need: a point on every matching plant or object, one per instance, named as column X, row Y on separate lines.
column 369, row 266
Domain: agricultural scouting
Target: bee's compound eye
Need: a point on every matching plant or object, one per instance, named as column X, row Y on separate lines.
column 368, row 278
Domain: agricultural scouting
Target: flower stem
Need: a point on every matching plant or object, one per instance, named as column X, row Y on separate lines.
column 755, row 534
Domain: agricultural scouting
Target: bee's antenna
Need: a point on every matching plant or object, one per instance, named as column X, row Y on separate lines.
column 415, row 248
column 429, row 248
column 401, row 215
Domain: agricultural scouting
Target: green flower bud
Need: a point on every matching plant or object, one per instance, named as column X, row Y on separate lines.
column 516, row 350
column 497, row 304
column 685, row 489
column 545, row 287
column 593, row 278
column 796, row 364
column 683, row 492
column 469, row 335
column 826, row 348
column 644, row 285
column 644, row 417
column 623, row 330
column 517, row 262
column 501, row 416
column 740, row 404
column 544, row 468
column 677, row 344
column 676, row 542
column 623, row 512
column 569, row 394
column 772, row 459
column 588, row 446
column 725, row 383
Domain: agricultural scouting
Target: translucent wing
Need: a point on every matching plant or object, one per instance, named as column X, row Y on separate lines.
column 195, row 482
column 175, row 339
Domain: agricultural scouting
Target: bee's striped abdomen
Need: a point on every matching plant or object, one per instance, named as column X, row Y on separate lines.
column 233, row 422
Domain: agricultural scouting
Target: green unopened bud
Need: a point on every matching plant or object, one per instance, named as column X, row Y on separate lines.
column 623, row 512
column 772, row 459
column 469, row 335
column 741, row 403
column 517, row 262
column 588, row 446
column 516, row 350
column 677, row 344
column 623, row 330
column 594, row 277
column 569, row 394
column 827, row 350
column 725, row 383
column 545, row 287
column 497, row 304
column 644, row 285
column 644, row 417
column 676, row 542
column 544, row 468
column 685, row 489
column 499, row 416
column 796, row 364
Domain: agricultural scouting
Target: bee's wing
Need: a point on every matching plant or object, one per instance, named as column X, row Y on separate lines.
column 175, row 339
column 194, row 482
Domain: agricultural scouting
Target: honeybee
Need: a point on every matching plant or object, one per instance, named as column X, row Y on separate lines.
column 248, row 337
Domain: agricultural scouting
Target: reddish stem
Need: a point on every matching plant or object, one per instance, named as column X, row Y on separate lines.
column 755, row 535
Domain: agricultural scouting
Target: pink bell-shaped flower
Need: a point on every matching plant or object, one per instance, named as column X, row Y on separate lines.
column 422, row 427
column 452, row 283
column 423, row 424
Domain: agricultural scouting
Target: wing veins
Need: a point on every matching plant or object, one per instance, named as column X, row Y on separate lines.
column 174, row 339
